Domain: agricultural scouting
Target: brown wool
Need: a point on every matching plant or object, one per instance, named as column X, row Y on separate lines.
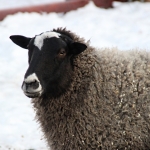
column 107, row 106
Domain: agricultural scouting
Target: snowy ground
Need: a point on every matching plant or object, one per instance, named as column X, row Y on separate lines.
column 17, row 3
column 126, row 26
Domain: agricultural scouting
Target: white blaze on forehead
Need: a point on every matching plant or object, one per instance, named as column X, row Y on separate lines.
column 31, row 78
column 38, row 41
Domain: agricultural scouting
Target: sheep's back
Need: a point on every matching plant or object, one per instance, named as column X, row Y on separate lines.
column 126, row 92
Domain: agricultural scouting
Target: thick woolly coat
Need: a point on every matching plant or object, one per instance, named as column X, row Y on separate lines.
column 107, row 105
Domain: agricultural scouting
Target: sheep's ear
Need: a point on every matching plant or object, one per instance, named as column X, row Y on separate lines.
column 77, row 48
column 20, row 40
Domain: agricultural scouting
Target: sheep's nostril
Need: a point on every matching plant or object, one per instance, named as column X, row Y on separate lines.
column 33, row 84
column 31, row 87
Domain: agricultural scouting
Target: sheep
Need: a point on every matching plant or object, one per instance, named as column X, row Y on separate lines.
column 87, row 98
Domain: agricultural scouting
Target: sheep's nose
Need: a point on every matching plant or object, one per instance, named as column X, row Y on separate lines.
column 30, row 87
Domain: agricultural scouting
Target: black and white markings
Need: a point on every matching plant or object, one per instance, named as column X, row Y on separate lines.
column 38, row 41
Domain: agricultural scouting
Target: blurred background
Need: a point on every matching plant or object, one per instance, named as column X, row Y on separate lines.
column 106, row 23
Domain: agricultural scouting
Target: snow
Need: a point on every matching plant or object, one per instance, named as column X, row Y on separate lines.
column 126, row 26
column 19, row 3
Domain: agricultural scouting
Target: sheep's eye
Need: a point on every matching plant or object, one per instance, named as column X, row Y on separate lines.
column 62, row 52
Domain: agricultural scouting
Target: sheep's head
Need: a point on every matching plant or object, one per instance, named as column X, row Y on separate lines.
column 50, row 57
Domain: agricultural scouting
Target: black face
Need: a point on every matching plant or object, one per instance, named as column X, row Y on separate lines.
column 50, row 64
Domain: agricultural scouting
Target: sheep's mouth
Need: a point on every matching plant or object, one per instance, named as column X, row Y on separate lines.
column 33, row 95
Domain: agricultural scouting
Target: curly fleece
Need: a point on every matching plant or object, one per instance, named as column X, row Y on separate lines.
column 107, row 106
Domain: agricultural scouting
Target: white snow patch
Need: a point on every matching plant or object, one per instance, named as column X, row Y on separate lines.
column 4, row 4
